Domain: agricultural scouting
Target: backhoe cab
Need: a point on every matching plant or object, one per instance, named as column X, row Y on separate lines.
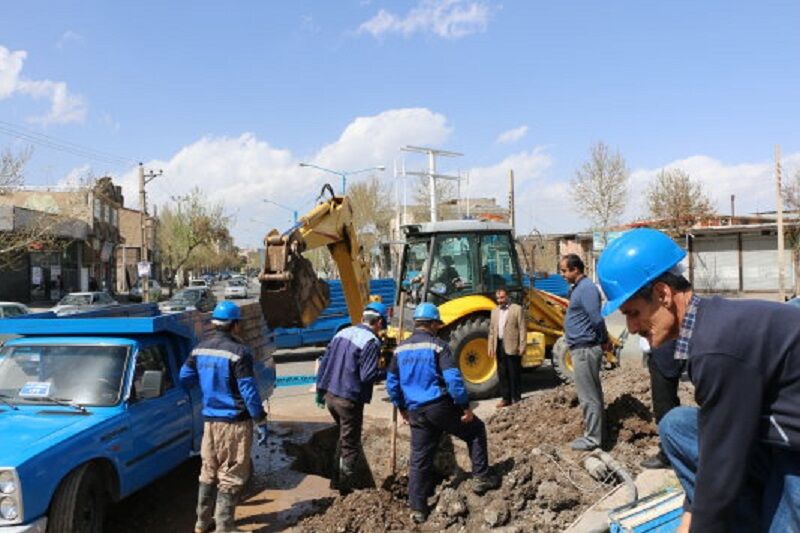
column 458, row 265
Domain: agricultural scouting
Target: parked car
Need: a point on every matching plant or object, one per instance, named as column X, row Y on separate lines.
column 79, row 302
column 236, row 288
column 154, row 289
column 190, row 299
column 199, row 282
column 10, row 309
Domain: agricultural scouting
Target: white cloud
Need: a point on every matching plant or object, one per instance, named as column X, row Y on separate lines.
column 449, row 19
column 242, row 171
column 65, row 106
column 512, row 135
column 67, row 37
column 753, row 183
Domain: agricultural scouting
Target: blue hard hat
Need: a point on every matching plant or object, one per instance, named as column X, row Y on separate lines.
column 381, row 309
column 226, row 311
column 427, row 312
column 632, row 261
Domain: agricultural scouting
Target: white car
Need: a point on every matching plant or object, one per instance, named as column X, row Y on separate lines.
column 79, row 302
column 236, row 289
column 11, row 309
column 198, row 282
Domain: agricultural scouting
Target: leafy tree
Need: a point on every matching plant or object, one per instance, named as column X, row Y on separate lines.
column 678, row 200
column 600, row 186
column 185, row 228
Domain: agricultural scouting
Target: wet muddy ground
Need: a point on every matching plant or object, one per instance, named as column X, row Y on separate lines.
column 545, row 488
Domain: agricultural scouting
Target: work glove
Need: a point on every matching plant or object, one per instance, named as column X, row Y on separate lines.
column 262, row 432
column 320, row 399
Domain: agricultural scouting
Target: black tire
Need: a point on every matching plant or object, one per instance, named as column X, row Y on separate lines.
column 480, row 373
column 562, row 361
column 79, row 505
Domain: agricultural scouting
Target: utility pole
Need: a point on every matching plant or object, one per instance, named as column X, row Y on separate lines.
column 779, row 205
column 511, row 213
column 144, row 179
column 733, row 207
column 431, row 174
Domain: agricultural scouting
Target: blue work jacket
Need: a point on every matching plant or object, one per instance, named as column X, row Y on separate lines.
column 349, row 366
column 223, row 367
column 422, row 371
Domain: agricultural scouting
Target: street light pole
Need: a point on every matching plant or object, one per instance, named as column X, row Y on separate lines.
column 144, row 179
column 343, row 174
column 293, row 211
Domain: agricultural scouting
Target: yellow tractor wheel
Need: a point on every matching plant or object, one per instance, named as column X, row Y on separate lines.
column 562, row 361
column 468, row 342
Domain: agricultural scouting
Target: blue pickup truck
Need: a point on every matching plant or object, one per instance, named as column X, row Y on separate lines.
column 91, row 410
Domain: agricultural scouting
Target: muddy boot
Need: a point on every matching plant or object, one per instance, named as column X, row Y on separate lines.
column 226, row 506
column 483, row 484
column 206, row 495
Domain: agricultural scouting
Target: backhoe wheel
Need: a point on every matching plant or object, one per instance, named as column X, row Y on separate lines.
column 562, row 361
column 470, row 347
column 79, row 505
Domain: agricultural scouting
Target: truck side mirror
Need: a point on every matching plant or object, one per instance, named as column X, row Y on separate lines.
column 152, row 384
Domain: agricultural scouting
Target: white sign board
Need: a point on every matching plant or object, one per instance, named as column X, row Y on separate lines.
column 36, row 276
column 144, row 269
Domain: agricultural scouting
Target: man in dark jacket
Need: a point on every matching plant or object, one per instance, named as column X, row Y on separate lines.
column 345, row 377
column 223, row 367
column 738, row 455
column 585, row 333
column 427, row 388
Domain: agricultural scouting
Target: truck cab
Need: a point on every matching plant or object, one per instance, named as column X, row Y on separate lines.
column 91, row 410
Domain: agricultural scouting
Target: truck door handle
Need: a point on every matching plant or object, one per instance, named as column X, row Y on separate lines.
column 182, row 402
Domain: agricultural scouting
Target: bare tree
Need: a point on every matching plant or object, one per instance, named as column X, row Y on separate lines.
column 600, row 186
column 30, row 229
column 678, row 200
column 12, row 168
column 185, row 228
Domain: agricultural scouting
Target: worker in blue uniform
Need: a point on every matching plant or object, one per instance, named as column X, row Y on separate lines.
column 426, row 386
column 346, row 373
column 737, row 456
column 223, row 367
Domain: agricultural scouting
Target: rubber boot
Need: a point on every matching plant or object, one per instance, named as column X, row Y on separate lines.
column 224, row 517
column 206, row 495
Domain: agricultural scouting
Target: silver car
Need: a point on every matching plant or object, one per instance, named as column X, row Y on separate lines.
column 236, row 289
column 80, row 302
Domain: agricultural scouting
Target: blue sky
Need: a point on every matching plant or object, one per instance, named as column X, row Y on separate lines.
column 233, row 95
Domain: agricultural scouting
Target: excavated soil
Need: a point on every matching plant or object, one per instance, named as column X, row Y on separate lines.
column 544, row 487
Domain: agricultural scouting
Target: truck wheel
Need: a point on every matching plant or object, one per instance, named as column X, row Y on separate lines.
column 469, row 344
column 562, row 361
column 79, row 505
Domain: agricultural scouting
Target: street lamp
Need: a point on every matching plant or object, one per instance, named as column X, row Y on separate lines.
column 343, row 173
column 293, row 211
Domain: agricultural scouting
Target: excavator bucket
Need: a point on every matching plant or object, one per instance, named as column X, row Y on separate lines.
column 291, row 294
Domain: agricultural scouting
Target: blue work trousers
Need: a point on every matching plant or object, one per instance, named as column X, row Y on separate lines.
column 770, row 498
column 427, row 424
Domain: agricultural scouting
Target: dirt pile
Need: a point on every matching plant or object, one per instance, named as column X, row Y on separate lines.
column 544, row 485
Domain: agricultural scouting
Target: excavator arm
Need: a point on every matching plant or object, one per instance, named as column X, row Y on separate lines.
column 291, row 293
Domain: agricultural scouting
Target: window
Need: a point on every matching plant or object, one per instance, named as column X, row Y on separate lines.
column 452, row 271
column 498, row 267
column 12, row 310
column 151, row 358
column 98, row 209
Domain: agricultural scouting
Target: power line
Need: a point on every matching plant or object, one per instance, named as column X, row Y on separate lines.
column 61, row 145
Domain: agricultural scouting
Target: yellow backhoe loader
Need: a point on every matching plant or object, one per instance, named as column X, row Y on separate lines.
column 456, row 265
